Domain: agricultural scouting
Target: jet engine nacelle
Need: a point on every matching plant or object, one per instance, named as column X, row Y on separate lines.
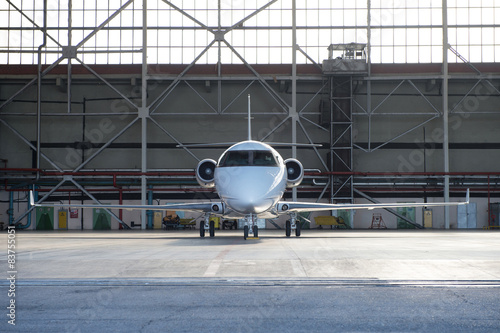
column 294, row 172
column 205, row 172
column 218, row 208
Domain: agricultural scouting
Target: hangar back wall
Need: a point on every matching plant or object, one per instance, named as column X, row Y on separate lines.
column 405, row 120
column 401, row 133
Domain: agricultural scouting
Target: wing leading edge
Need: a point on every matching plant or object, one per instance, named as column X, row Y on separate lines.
column 284, row 206
column 314, row 207
column 201, row 207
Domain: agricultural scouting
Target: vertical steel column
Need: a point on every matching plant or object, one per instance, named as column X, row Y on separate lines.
column 332, row 139
column 293, row 110
column 70, row 35
column 39, row 92
column 144, row 112
column 219, row 61
column 369, row 81
column 351, row 150
column 445, row 116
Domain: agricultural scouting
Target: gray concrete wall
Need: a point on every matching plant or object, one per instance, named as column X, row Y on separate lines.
column 395, row 116
column 97, row 98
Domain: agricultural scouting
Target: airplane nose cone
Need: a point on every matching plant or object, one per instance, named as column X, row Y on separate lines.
column 250, row 207
column 254, row 191
column 248, row 196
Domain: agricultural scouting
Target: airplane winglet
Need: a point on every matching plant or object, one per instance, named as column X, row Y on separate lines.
column 32, row 199
column 467, row 196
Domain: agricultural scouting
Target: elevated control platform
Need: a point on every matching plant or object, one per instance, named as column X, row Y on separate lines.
column 346, row 59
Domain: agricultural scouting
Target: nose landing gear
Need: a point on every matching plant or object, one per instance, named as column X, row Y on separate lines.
column 250, row 227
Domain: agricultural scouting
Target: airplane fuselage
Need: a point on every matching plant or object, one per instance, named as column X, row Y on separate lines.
column 250, row 178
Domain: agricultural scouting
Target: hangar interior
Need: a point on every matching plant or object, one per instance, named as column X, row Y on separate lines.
column 96, row 96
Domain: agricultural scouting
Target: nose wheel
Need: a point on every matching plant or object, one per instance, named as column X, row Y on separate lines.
column 250, row 228
column 245, row 232
column 255, row 231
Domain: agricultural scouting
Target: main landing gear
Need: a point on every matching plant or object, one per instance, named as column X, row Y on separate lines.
column 292, row 225
column 207, row 225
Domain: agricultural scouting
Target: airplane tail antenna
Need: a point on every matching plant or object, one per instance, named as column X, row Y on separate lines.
column 249, row 121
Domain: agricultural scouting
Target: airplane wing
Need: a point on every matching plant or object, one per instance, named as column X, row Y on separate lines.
column 201, row 207
column 314, row 207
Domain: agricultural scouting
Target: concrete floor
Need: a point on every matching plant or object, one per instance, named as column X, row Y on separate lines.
column 387, row 255
column 174, row 281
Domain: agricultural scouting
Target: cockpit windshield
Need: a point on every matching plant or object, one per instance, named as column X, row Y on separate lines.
column 248, row 158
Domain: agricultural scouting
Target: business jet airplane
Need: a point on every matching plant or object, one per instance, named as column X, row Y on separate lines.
column 250, row 178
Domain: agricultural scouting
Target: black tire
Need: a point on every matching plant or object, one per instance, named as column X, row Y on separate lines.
column 288, row 228
column 212, row 228
column 255, row 231
column 245, row 232
column 202, row 229
column 297, row 230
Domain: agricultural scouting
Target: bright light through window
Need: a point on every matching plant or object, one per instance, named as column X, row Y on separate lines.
column 259, row 31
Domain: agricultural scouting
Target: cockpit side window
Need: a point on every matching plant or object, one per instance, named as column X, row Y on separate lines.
column 236, row 158
column 263, row 158
column 248, row 158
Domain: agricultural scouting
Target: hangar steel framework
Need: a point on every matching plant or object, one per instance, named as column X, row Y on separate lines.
column 218, row 40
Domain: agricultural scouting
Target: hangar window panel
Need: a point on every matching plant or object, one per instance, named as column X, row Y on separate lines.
column 337, row 17
column 301, row 17
column 349, row 17
column 488, row 53
column 399, row 37
column 487, row 16
column 436, row 17
column 349, row 35
column 163, row 55
column 412, row 17
column 286, row 18
column 487, row 36
column 425, row 16
column 424, row 37
column 412, row 54
column 412, row 37
column 376, row 54
column 286, row 55
column 400, row 54
column 399, row 15
column 263, row 39
column 437, row 54
column 320, row 23
column 325, row 18
column 475, row 54
column 475, row 16
column 250, row 55
column 176, row 55
column 475, row 35
column 424, row 54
